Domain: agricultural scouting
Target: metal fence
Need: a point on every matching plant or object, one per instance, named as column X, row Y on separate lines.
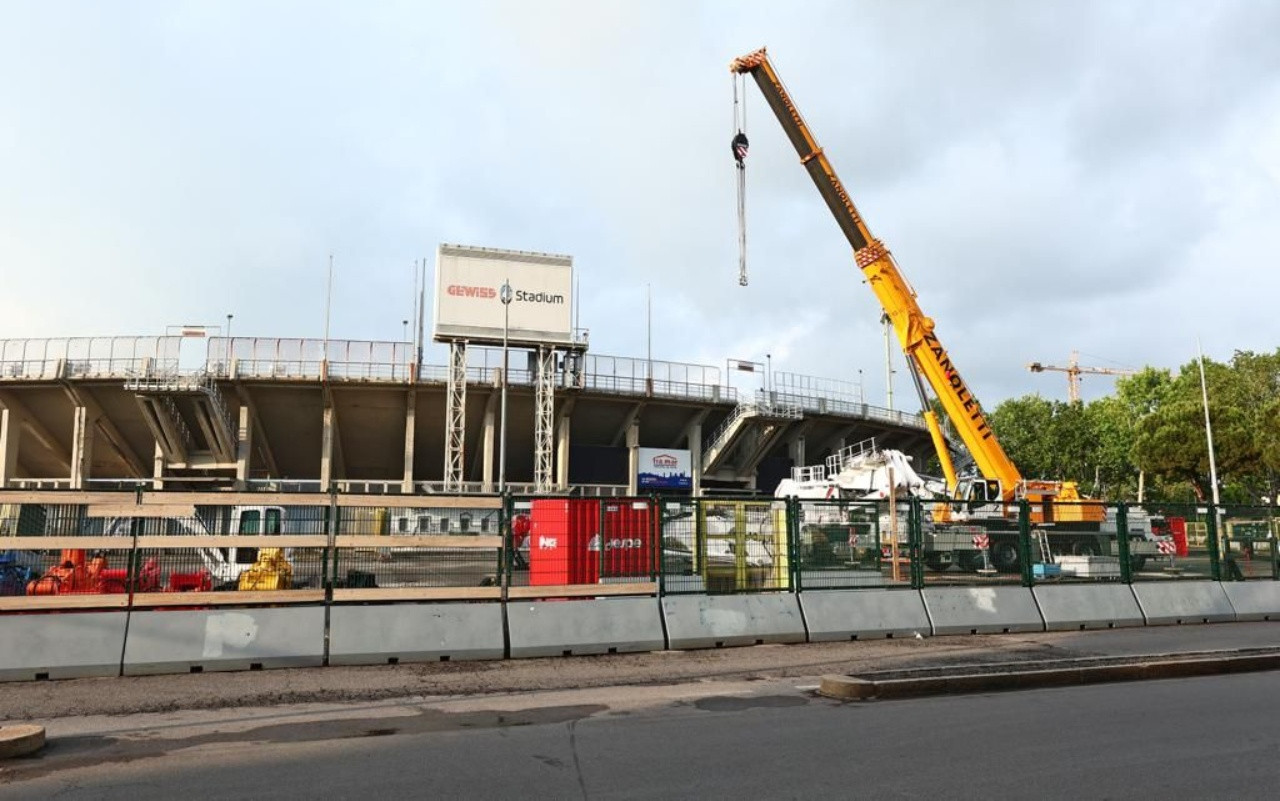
column 156, row 549
column 87, row 357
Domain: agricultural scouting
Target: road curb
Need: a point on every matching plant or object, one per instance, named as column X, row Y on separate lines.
column 853, row 688
column 17, row 741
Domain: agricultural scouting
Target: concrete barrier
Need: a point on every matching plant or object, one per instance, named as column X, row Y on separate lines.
column 592, row 626
column 190, row 640
column 712, row 621
column 1071, row 607
column 428, row 632
column 1254, row 600
column 1183, row 601
column 66, row 645
column 981, row 610
column 855, row 614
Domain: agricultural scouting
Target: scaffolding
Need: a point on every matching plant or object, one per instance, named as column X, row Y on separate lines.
column 456, row 417
column 544, row 422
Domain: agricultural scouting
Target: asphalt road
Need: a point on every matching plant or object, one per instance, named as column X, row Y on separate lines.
column 1206, row 737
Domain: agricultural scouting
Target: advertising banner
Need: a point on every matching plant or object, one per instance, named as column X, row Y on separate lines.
column 469, row 298
column 665, row 468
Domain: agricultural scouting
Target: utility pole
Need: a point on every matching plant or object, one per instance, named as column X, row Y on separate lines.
column 888, row 360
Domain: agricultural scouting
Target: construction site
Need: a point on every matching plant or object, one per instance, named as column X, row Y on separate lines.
column 356, row 505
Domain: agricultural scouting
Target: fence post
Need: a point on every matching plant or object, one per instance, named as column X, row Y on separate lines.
column 1024, row 542
column 792, row 519
column 1211, row 542
column 506, row 552
column 1122, row 543
column 915, row 542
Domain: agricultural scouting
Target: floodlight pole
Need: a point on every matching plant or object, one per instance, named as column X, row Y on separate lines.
column 505, row 296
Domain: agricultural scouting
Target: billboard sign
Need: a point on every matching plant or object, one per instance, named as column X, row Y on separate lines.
column 469, row 297
column 665, row 468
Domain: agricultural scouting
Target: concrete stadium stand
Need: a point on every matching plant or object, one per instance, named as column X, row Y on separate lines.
column 1183, row 601
column 860, row 614
column 1254, row 600
column 592, row 626
column 997, row 609
column 196, row 640
column 1072, row 607
column 423, row 632
column 63, row 645
column 713, row 621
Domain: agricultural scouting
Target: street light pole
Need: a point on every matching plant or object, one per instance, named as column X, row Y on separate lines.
column 505, row 296
column 229, row 316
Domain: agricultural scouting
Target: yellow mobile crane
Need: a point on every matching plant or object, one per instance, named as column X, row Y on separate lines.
column 1001, row 483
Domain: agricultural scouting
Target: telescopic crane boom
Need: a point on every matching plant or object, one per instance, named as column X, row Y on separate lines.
column 914, row 329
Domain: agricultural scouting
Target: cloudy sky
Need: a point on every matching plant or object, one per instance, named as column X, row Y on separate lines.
column 1051, row 176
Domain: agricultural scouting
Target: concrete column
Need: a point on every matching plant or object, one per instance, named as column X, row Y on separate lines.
column 244, row 447
column 490, row 438
column 695, row 459
column 10, row 438
column 633, row 458
column 326, row 451
column 158, row 472
column 562, row 453
column 81, row 447
column 410, row 437
column 795, row 450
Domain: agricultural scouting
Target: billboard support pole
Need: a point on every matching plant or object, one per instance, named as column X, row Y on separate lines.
column 505, row 296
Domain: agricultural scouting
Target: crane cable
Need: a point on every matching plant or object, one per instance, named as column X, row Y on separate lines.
column 739, row 146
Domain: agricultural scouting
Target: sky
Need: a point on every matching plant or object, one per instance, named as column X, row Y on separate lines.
column 1050, row 176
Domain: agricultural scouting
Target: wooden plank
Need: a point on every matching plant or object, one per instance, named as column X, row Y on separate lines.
column 186, row 511
column 421, row 501
column 418, row 594
column 234, row 541
column 220, row 498
column 415, row 541
column 100, row 543
column 583, row 590
column 88, row 543
column 60, row 497
column 33, row 603
column 247, row 598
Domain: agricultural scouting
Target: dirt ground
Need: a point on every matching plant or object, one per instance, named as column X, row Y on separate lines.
column 131, row 695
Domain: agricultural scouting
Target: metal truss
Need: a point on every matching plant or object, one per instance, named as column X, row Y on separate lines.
column 455, row 434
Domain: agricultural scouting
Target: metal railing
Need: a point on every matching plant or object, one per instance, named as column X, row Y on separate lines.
column 87, row 357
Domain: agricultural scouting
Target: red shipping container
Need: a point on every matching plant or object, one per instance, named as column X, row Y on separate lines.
column 627, row 541
column 559, row 533
column 1178, row 528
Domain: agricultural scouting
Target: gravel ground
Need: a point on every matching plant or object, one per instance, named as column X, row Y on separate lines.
column 131, row 695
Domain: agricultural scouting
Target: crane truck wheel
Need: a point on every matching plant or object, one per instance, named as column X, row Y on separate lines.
column 937, row 561
column 1004, row 556
column 1085, row 548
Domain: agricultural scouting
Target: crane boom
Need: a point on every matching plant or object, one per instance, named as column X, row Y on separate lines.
column 1074, row 371
column 914, row 329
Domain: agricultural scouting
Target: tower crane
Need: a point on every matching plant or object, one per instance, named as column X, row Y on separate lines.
column 1074, row 371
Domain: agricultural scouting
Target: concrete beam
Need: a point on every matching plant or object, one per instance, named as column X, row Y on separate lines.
column 410, row 434
column 259, row 437
column 693, row 436
column 633, row 458
column 41, row 434
column 562, row 442
column 82, row 447
column 244, row 446
column 490, row 438
column 132, row 459
column 632, row 416
column 10, row 442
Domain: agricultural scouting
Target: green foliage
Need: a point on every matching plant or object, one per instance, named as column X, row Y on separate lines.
column 1154, row 423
